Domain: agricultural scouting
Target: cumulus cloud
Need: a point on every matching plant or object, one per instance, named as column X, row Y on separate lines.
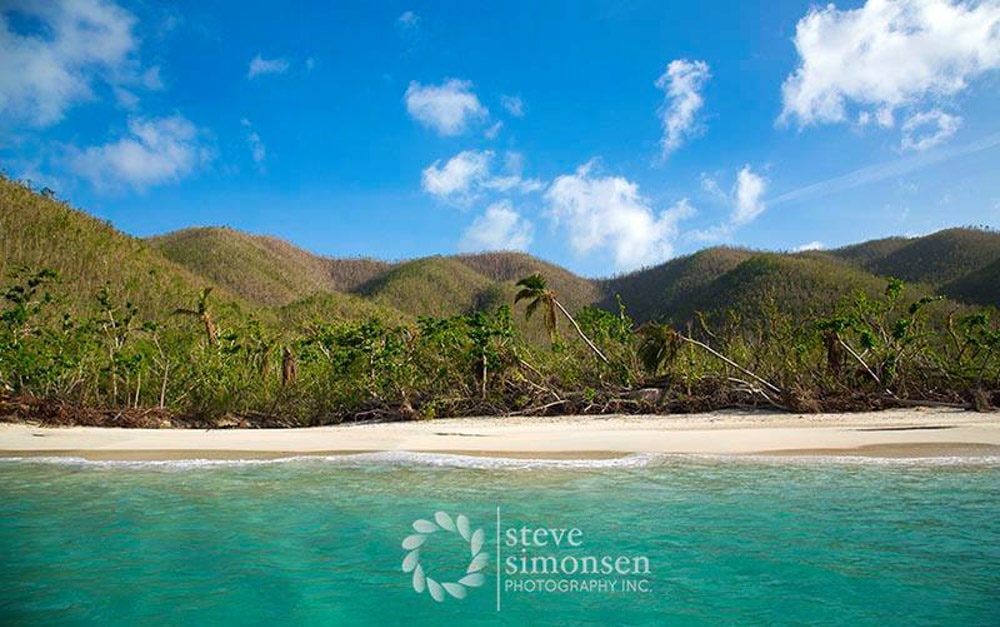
column 259, row 66
column 885, row 56
column 928, row 129
column 513, row 104
column 155, row 151
column 748, row 196
column 682, row 84
column 608, row 211
column 746, row 203
column 500, row 227
column 79, row 43
column 258, row 151
column 448, row 108
column 457, row 175
column 470, row 173
column 815, row 245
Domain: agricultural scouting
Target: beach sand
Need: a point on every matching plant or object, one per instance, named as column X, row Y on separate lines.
column 897, row 433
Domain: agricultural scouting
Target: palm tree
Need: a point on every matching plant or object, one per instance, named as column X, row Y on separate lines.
column 660, row 343
column 535, row 288
column 203, row 313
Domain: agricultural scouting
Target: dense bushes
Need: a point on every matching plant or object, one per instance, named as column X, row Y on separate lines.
column 202, row 367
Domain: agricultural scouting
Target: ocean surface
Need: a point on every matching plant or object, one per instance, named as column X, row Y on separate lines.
column 688, row 540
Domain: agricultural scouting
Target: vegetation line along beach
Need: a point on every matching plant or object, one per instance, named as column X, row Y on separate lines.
column 216, row 328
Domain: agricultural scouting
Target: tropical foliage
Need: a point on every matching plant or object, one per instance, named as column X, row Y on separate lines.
column 99, row 328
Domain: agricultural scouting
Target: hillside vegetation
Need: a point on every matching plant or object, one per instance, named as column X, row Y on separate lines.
column 433, row 286
column 666, row 290
column 264, row 270
column 980, row 286
column 510, row 267
column 89, row 255
column 933, row 259
column 214, row 327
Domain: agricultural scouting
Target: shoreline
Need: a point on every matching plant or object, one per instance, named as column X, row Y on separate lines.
column 898, row 433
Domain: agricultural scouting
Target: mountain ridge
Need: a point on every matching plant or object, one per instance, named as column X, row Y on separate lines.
column 267, row 274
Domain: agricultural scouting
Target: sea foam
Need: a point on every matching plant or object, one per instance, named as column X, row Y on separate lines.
column 449, row 460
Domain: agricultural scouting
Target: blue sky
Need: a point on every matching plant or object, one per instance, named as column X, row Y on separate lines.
column 600, row 135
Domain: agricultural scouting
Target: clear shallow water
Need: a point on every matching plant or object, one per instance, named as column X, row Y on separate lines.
column 318, row 541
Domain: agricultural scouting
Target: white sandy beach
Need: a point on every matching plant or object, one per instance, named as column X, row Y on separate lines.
column 896, row 433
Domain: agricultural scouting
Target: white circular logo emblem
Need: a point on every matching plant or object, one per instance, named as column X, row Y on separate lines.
column 477, row 561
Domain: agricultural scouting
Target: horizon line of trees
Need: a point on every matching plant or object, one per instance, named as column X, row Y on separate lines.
column 200, row 367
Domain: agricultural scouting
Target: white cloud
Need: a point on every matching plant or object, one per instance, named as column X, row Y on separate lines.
column 79, row 43
column 681, row 83
column 258, row 151
column 408, row 29
column 447, row 108
column 458, row 175
column 493, row 131
column 469, row 173
column 608, row 211
column 310, row 64
column 746, row 202
column 711, row 187
column 888, row 55
column 500, row 227
column 408, row 20
column 814, row 245
column 928, row 129
column 748, row 196
column 511, row 177
column 718, row 233
column 259, row 66
column 155, row 151
column 513, row 104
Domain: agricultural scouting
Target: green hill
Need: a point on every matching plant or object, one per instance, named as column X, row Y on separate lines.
column 337, row 306
column 796, row 285
column 264, row 270
column 89, row 254
column 266, row 274
column 933, row 259
column 665, row 290
column 509, row 267
column 718, row 279
column 866, row 253
column 349, row 274
column 981, row 287
column 432, row 286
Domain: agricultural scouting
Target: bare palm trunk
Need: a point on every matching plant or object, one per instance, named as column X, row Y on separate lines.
column 213, row 336
column 484, row 377
column 732, row 363
column 163, row 387
column 579, row 331
column 289, row 368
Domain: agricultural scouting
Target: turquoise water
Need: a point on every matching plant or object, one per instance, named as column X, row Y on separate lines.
column 319, row 541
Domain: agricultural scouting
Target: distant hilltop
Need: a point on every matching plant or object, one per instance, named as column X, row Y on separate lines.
column 258, row 272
